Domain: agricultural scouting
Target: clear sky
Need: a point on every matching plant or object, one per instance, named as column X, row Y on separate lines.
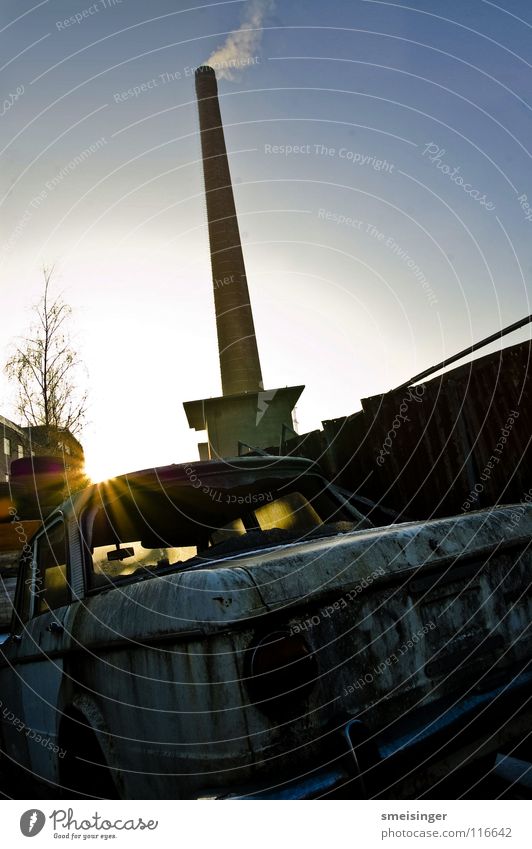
column 381, row 160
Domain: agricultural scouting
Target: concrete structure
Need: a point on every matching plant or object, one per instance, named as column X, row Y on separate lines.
column 246, row 412
column 256, row 419
column 14, row 445
column 18, row 442
column 55, row 442
column 36, row 464
column 30, row 486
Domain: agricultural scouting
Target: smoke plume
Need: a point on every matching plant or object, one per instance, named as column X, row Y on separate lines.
column 240, row 48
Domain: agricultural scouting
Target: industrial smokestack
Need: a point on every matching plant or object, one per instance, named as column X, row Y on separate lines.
column 237, row 344
column 245, row 414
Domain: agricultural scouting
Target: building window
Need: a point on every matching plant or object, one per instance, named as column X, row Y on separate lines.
column 7, row 446
column 20, row 451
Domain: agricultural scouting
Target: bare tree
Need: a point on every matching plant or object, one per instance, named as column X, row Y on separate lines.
column 46, row 368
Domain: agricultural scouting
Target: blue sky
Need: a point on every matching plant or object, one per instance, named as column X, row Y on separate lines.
column 380, row 155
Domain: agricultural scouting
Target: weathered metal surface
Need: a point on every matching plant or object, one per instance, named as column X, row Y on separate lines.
column 14, row 534
column 187, row 701
column 457, row 443
column 7, row 594
column 514, row 771
column 397, row 620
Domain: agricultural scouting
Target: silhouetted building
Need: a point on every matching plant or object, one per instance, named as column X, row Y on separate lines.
column 14, row 445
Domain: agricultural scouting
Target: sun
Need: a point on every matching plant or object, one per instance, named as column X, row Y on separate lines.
column 100, row 468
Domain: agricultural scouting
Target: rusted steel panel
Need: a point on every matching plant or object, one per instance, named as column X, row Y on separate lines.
column 179, row 676
column 459, row 442
column 14, row 535
column 181, row 696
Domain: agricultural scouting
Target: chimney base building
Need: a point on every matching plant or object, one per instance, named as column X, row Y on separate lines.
column 257, row 419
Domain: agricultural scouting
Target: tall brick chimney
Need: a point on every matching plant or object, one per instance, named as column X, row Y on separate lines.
column 237, row 344
column 246, row 413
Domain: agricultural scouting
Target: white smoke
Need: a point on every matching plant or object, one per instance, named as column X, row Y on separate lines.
column 240, row 48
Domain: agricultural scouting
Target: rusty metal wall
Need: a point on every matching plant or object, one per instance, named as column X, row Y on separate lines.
column 454, row 444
